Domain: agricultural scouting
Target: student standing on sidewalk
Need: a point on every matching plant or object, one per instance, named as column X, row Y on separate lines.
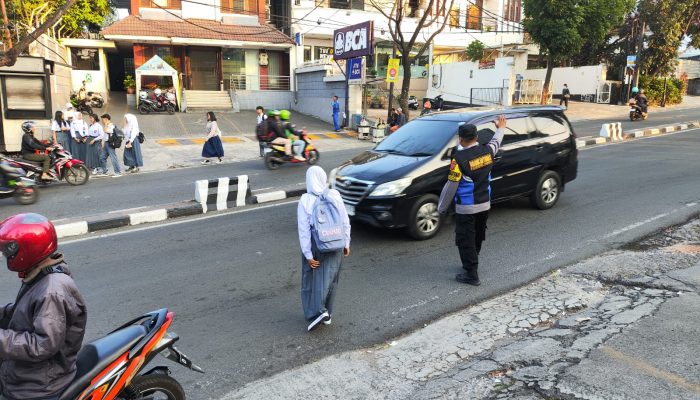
column 260, row 118
column 213, row 146
column 469, row 186
column 319, row 270
column 94, row 145
column 113, row 136
column 78, row 131
column 60, row 129
column 565, row 96
column 132, row 149
column 335, row 105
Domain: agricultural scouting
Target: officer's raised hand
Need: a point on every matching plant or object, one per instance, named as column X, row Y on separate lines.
column 500, row 122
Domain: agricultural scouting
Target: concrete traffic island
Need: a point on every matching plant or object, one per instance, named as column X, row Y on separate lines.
column 620, row 325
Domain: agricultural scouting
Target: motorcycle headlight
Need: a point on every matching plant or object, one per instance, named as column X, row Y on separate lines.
column 391, row 188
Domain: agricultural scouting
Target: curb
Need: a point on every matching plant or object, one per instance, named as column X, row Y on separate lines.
column 101, row 223
column 622, row 135
column 276, row 195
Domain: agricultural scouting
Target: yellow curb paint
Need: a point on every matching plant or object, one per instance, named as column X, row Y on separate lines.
column 313, row 137
column 168, row 142
column 332, row 136
column 231, row 140
column 198, row 141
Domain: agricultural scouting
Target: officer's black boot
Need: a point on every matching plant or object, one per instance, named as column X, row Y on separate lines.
column 471, row 277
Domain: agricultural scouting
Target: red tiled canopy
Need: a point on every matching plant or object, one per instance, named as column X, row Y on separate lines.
column 196, row 29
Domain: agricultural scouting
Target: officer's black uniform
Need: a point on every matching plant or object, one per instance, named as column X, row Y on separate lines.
column 469, row 185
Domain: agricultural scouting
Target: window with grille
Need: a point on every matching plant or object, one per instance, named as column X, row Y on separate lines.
column 26, row 97
column 474, row 15
column 239, row 6
column 454, row 17
column 511, row 10
column 170, row 4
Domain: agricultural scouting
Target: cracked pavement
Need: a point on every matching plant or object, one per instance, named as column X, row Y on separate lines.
column 622, row 325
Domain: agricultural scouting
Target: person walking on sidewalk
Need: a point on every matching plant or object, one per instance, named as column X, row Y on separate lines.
column 469, row 186
column 213, row 146
column 114, row 137
column 565, row 96
column 320, row 270
column 94, row 145
column 132, row 149
column 335, row 105
column 43, row 330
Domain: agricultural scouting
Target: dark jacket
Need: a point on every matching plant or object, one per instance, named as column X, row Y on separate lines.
column 278, row 128
column 30, row 144
column 40, row 336
column 469, row 181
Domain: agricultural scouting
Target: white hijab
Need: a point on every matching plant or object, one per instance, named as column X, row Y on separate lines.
column 131, row 129
column 316, row 183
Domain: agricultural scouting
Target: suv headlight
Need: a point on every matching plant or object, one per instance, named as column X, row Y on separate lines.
column 391, row 188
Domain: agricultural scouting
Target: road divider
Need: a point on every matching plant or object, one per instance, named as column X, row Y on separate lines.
column 612, row 131
column 276, row 195
column 222, row 193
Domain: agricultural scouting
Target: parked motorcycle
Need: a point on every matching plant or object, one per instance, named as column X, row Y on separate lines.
column 636, row 112
column 80, row 105
column 412, row 103
column 95, row 100
column 113, row 367
column 274, row 155
column 17, row 185
column 63, row 167
column 160, row 103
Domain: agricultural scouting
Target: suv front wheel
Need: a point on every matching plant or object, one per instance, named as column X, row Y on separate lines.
column 547, row 191
column 424, row 221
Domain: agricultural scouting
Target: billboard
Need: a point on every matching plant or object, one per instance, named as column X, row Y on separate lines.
column 353, row 41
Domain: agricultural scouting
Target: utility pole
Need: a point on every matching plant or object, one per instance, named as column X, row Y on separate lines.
column 640, row 46
column 6, row 23
column 391, row 87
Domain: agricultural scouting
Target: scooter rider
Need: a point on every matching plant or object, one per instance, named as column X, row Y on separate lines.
column 291, row 130
column 30, row 145
column 640, row 99
column 42, row 331
column 280, row 135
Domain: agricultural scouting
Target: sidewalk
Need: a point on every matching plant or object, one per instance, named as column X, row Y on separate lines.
column 624, row 324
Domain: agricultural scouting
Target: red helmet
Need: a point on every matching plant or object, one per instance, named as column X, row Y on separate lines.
column 26, row 240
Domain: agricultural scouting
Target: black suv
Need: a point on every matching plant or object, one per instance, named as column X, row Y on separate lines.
column 398, row 183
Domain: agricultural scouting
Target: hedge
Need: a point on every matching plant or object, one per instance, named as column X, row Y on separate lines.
column 654, row 89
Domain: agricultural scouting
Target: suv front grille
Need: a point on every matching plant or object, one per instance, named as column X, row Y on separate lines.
column 352, row 190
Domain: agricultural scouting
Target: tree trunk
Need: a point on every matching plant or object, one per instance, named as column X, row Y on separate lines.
column 547, row 78
column 406, row 84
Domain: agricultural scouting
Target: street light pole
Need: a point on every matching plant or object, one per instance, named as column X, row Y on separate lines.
column 640, row 45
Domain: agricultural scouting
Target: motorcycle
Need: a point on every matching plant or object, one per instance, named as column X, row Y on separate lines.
column 274, row 155
column 159, row 104
column 23, row 189
column 95, row 100
column 636, row 112
column 412, row 103
column 435, row 105
column 63, row 167
column 112, row 367
column 80, row 105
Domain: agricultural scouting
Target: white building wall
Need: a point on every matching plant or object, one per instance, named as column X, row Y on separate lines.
column 455, row 81
column 204, row 9
column 581, row 80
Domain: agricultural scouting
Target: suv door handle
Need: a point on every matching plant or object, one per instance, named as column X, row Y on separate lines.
column 497, row 158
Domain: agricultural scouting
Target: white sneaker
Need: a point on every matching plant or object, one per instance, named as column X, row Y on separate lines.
column 205, row 162
column 220, row 161
column 299, row 158
column 314, row 324
column 117, row 175
column 328, row 321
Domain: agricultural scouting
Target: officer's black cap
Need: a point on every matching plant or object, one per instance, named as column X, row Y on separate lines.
column 467, row 131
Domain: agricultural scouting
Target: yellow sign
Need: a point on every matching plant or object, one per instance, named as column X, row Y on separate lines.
column 392, row 71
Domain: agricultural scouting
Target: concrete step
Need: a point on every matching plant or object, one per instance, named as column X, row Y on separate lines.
column 208, row 99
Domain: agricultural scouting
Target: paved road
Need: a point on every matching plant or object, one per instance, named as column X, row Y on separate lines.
column 233, row 279
column 108, row 194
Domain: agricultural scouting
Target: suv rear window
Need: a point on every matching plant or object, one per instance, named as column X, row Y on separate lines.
column 548, row 125
column 419, row 138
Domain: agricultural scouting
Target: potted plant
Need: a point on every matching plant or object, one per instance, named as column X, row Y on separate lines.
column 130, row 84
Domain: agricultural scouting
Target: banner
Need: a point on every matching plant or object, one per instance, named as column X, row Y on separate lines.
column 355, row 68
column 392, row 71
column 353, row 41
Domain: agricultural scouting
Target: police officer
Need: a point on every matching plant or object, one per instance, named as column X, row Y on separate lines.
column 469, row 185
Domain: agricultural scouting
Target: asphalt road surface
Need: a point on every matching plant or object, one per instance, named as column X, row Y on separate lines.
column 62, row 201
column 233, row 279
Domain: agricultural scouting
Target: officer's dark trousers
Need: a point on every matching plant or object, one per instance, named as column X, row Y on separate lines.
column 470, row 233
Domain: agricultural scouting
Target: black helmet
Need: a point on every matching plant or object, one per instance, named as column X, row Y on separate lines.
column 27, row 126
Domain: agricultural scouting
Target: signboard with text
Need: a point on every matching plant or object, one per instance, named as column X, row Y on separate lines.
column 355, row 68
column 392, row 71
column 631, row 61
column 353, row 41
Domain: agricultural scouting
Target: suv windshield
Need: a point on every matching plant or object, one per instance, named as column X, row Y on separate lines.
column 419, row 138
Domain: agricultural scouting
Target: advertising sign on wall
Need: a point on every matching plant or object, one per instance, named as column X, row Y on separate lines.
column 353, row 41
column 392, row 71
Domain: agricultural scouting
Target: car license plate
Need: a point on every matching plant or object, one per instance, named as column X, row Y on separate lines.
column 350, row 209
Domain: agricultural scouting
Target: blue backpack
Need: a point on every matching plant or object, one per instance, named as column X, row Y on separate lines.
column 327, row 229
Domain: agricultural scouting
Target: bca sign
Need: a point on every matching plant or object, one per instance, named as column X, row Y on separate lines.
column 353, row 41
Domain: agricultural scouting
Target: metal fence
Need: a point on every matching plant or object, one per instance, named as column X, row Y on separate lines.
column 258, row 82
column 529, row 91
column 487, row 96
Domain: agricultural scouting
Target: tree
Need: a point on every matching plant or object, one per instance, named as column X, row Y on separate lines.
column 9, row 57
column 433, row 20
column 84, row 15
column 475, row 51
column 561, row 27
column 669, row 22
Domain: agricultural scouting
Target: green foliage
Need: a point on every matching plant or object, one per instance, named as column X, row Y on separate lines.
column 84, row 15
column 170, row 60
column 129, row 82
column 654, row 89
column 475, row 50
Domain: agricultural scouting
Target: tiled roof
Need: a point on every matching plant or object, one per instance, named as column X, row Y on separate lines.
column 196, row 29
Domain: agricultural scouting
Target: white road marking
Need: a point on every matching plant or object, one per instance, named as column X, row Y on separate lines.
column 634, row 140
column 637, row 224
column 183, row 221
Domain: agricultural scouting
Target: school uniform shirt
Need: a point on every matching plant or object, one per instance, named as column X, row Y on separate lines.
column 131, row 129
column 78, row 129
column 213, row 129
column 56, row 127
column 96, row 132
